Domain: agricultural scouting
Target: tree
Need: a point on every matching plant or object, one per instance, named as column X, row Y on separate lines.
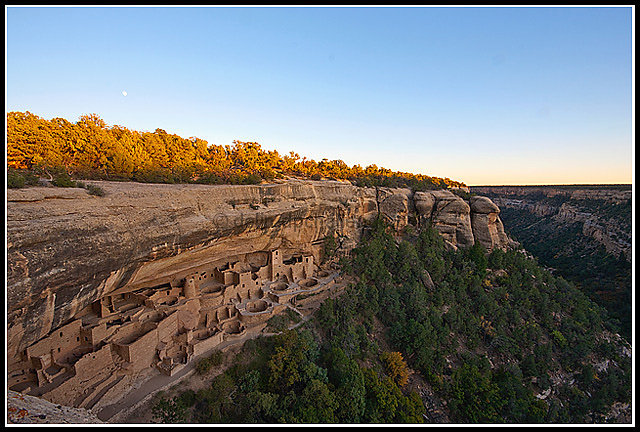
column 291, row 366
column 395, row 367
column 170, row 410
column 317, row 403
column 381, row 403
column 347, row 378
column 474, row 397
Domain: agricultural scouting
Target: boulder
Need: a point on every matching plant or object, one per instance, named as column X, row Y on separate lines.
column 451, row 217
column 394, row 206
column 423, row 203
column 481, row 204
column 487, row 226
column 25, row 409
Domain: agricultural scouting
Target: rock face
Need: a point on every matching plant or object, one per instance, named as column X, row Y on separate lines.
column 611, row 194
column 25, row 409
column 449, row 214
column 394, row 206
column 487, row 226
column 67, row 249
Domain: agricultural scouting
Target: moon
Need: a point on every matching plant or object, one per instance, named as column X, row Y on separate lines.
column 124, row 93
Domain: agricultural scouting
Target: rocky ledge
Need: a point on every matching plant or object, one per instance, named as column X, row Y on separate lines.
column 25, row 409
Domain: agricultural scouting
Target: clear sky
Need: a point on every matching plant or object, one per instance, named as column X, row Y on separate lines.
column 480, row 95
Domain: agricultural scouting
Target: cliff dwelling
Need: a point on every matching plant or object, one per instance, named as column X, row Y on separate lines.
column 164, row 326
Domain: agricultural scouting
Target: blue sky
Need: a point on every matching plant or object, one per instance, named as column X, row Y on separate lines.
column 480, row 95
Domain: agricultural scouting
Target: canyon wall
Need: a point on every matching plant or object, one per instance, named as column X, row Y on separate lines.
column 66, row 248
column 604, row 212
column 610, row 193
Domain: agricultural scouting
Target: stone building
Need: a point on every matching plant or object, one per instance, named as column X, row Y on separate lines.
column 166, row 326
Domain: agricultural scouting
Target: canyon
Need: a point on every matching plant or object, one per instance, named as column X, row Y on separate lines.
column 101, row 288
column 604, row 213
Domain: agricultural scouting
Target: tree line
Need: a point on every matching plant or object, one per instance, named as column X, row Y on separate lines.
column 90, row 149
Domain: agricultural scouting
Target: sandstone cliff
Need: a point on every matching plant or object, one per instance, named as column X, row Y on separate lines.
column 66, row 248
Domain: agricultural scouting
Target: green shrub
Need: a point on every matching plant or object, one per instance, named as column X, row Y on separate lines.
column 203, row 366
column 559, row 338
column 169, row 410
column 63, row 179
column 216, row 358
column 15, row 180
column 251, row 179
column 278, row 323
column 95, row 190
column 330, row 245
column 209, row 177
column 21, row 178
column 186, row 398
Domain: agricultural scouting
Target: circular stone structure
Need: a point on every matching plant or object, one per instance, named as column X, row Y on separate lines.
column 279, row 286
column 308, row 283
column 212, row 289
column 233, row 327
column 257, row 306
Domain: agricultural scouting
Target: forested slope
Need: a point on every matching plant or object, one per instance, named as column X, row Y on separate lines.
column 583, row 233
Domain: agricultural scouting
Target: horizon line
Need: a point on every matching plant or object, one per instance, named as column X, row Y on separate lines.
column 551, row 184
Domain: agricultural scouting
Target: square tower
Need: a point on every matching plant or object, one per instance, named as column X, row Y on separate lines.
column 276, row 264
